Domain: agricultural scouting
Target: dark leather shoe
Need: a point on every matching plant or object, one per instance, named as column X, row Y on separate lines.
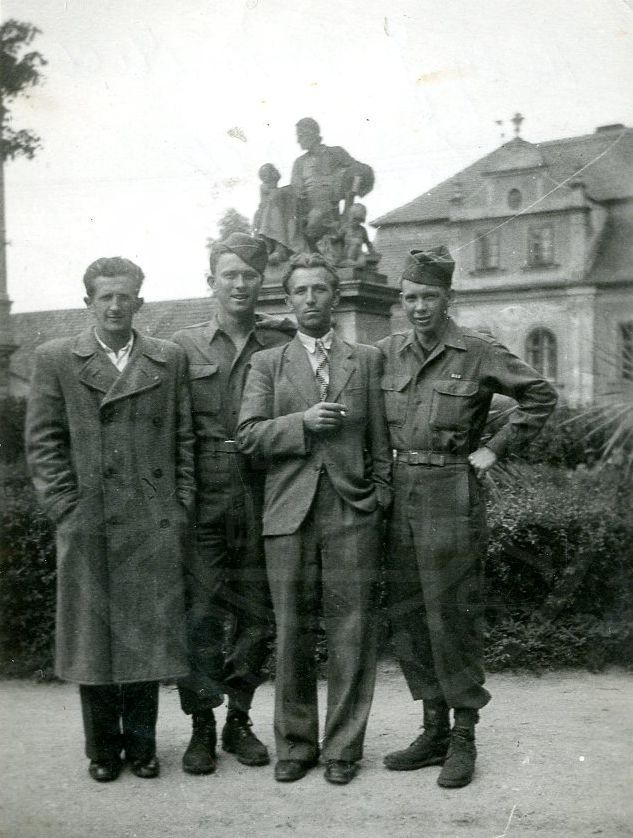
column 147, row 769
column 428, row 749
column 340, row 772
column 290, row 770
column 459, row 767
column 199, row 758
column 239, row 739
column 104, row 771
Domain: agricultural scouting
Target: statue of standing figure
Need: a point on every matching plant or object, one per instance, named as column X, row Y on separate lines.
column 306, row 215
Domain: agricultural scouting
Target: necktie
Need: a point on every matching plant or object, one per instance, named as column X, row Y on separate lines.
column 322, row 373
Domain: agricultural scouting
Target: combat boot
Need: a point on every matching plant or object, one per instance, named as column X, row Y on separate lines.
column 430, row 747
column 239, row 739
column 459, row 767
column 199, row 758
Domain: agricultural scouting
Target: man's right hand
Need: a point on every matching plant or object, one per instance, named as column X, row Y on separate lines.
column 324, row 417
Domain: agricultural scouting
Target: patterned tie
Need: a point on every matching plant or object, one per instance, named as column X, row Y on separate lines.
column 322, row 373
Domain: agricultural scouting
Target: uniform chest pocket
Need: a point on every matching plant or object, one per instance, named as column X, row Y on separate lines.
column 396, row 396
column 452, row 404
column 204, row 380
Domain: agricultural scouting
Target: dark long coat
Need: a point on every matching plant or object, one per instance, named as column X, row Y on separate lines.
column 111, row 455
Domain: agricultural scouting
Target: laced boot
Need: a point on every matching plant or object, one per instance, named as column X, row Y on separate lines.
column 239, row 739
column 459, row 767
column 199, row 758
column 430, row 747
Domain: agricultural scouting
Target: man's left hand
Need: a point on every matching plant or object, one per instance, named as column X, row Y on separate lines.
column 481, row 460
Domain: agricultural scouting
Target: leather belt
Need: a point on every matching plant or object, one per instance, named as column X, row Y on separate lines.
column 428, row 458
column 228, row 446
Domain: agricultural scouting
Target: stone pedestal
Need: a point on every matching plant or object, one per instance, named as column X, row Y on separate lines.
column 364, row 312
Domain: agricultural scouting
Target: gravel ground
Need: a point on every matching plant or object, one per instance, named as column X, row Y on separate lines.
column 554, row 760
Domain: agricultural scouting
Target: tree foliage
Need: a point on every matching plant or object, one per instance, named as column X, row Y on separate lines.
column 20, row 70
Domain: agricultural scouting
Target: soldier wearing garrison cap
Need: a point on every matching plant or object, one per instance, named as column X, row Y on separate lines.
column 438, row 383
column 226, row 576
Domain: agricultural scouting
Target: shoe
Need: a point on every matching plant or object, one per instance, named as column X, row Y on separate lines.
column 199, row 758
column 239, row 739
column 290, row 770
column 104, row 771
column 340, row 772
column 459, row 767
column 145, row 768
column 430, row 748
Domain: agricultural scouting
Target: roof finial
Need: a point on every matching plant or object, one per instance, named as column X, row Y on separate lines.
column 499, row 122
column 517, row 119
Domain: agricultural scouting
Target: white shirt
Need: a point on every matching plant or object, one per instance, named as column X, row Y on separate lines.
column 120, row 358
column 310, row 346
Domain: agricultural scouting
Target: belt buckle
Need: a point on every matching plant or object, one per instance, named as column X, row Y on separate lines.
column 413, row 458
column 230, row 445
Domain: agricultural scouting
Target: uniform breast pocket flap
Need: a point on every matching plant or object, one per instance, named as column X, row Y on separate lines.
column 205, row 388
column 396, row 395
column 452, row 403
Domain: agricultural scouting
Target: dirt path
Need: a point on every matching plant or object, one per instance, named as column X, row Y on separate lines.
column 555, row 759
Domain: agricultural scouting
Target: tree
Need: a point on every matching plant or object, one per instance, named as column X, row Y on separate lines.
column 19, row 71
column 233, row 222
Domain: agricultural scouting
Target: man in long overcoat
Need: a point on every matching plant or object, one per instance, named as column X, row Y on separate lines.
column 313, row 410
column 438, row 383
column 110, row 448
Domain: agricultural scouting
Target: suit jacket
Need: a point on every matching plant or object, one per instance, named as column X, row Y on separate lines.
column 111, row 455
column 281, row 386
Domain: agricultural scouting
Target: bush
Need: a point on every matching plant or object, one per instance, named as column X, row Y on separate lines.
column 27, row 578
column 12, row 413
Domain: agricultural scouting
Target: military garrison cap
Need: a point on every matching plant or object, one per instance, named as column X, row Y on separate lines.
column 429, row 267
column 251, row 250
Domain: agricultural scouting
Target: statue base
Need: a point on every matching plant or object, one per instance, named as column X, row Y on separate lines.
column 364, row 312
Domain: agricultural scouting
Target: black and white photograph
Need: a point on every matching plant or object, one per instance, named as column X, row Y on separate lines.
column 316, row 418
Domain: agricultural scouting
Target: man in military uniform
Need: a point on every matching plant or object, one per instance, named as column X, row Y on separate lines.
column 438, row 383
column 226, row 577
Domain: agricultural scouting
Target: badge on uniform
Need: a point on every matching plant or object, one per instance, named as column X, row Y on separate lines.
column 455, row 375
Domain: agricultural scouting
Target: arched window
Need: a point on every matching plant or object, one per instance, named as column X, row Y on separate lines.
column 487, row 251
column 540, row 352
column 515, row 199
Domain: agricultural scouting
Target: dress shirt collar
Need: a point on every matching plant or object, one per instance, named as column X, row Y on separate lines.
column 121, row 357
column 310, row 343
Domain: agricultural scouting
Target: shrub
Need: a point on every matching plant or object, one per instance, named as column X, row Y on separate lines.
column 12, row 413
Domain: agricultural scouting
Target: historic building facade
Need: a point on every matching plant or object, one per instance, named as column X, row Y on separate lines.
column 542, row 235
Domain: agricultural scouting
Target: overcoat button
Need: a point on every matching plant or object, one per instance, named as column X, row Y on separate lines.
column 157, row 421
column 164, row 523
column 158, row 472
column 112, row 520
column 107, row 416
column 109, row 472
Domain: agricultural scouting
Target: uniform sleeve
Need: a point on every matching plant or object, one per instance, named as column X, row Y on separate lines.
column 508, row 375
column 48, row 441
column 185, row 480
column 259, row 432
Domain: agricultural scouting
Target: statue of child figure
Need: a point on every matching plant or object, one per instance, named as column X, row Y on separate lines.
column 355, row 238
column 271, row 215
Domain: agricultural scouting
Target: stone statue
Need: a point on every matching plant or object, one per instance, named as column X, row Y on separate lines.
column 307, row 214
column 355, row 238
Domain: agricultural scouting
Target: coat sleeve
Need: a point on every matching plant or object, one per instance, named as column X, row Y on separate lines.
column 508, row 375
column 185, row 479
column 260, row 432
column 378, row 433
column 48, row 441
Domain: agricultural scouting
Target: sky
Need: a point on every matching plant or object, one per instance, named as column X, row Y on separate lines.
column 155, row 115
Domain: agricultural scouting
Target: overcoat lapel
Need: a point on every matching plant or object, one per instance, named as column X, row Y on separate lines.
column 342, row 366
column 98, row 372
column 143, row 372
column 298, row 370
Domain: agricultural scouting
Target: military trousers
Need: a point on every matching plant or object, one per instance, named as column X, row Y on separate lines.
column 435, row 565
column 229, row 612
column 330, row 561
column 120, row 717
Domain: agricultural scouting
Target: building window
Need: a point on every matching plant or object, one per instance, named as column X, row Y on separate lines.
column 487, row 251
column 626, row 351
column 540, row 352
column 541, row 245
column 515, row 199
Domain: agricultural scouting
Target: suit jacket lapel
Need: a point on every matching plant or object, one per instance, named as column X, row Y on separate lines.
column 341, row 360
column 297, row 368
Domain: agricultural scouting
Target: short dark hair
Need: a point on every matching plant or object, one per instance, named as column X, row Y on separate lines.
column 112, row 266
column 309, row 124
column 309, row 260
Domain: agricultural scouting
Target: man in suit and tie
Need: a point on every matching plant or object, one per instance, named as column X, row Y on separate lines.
column 313, row 410
column 110, row 448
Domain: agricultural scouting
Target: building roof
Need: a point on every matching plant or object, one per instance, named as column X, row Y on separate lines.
column 602, row 160
column 159, row 319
